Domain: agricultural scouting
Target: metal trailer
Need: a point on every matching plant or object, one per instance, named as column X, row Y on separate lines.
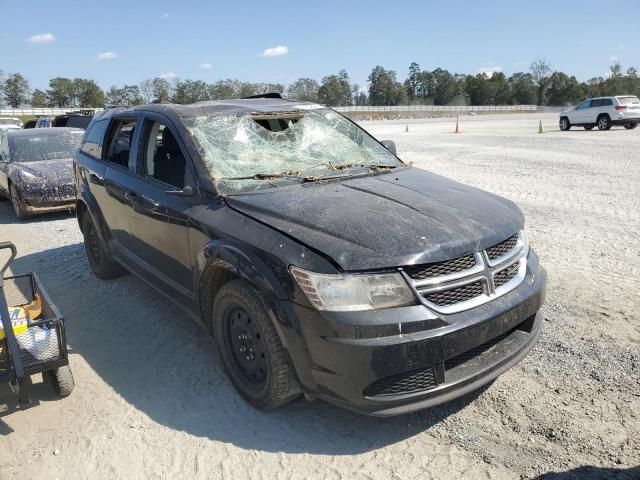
column 41, row 347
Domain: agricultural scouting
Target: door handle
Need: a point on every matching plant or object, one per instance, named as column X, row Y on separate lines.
column 150, row 202
column 94, row 178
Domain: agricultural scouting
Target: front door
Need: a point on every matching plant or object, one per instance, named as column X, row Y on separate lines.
column 160, row 225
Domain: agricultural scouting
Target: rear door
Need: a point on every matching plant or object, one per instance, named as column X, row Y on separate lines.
column 160, row 210
column 105, row 169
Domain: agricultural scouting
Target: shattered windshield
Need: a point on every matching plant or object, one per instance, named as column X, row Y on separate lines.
column 248, row 152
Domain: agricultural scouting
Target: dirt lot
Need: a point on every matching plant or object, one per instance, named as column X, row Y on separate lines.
column 152, row 399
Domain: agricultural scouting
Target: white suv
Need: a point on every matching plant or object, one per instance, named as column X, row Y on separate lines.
column 603, row 112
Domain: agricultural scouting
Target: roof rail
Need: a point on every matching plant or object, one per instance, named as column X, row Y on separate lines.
column 265, row 95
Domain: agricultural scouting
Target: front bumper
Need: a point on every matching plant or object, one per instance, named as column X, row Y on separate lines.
column 344, row 357
column 37, row 199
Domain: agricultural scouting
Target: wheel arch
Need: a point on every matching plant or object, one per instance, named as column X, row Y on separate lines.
column 220, row 263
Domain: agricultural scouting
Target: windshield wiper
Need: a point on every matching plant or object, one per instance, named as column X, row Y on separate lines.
column 375, row 167
column 265, row 176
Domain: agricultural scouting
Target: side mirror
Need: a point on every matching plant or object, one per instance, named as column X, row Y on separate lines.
column 389, row 145
column 187, row 191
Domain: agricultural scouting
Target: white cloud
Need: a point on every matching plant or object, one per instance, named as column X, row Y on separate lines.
column 164, row 16
column 206, row 66
column 41, row 38
column 168, row 76
column 275, row 51
column 490, row 70
column 107, row 56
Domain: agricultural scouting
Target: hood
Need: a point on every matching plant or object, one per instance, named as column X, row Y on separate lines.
column 49, row 171
column 400, row 218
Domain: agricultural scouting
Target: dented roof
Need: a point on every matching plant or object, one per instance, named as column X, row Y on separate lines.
column 215, row 107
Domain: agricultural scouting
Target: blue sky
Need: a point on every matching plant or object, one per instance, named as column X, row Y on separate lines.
column 209, row 40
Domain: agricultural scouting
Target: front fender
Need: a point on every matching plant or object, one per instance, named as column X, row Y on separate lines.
column 271, row 279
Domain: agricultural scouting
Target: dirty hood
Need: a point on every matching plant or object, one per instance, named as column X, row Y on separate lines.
column 57, row 172
column 405, row 217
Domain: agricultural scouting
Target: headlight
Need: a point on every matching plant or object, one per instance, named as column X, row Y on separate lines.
column 28, row 177
column 352, row 292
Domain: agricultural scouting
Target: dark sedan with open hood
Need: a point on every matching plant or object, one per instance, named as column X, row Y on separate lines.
column 321, row 263
column 36, row 169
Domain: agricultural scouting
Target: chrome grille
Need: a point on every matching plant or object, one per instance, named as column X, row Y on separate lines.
column 471, row 280
column 504, row 276
column 421, row 272
column 456, row 295
column 502, row 248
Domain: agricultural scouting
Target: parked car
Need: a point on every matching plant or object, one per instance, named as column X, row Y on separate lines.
column 6, row 127
column 4, row 121
column 603, row 112
column 44, row 122
column 72, row 120
column 30, row 123
column 36, row 169
column 321, row 263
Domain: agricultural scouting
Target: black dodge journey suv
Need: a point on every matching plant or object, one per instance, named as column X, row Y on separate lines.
column 321, row 263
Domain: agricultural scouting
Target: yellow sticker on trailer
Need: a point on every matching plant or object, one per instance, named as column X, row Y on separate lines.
column 18, row 322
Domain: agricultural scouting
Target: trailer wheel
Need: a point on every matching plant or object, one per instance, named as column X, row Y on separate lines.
column 62, row 380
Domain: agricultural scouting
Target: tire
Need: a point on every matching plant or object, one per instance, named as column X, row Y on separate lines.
column 604, row 122
column 18, row 207
column 630, row 126
column 101, row 263
column 256, row 362
column 565, row 124
column 62, row 380
column 589, row 127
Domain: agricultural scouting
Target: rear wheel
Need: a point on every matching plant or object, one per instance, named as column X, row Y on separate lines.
column 101, row 263
column 589, row 127
column 253, row 355
column 565, row 124
column 630, row 126
column 604, row 122
column 18, row 207
column 62, row 380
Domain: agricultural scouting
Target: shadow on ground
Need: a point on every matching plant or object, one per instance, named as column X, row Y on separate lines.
column 593, row 473
column 166, row 366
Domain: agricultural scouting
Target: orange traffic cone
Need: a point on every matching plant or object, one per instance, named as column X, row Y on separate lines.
column 457, row 130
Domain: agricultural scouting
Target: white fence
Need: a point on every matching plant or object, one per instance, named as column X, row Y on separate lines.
column 439, row 108
column 38, row 112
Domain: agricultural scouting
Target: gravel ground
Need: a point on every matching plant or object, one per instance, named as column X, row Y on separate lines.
column 152, row 399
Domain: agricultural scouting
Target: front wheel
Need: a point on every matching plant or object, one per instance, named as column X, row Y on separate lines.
column 589, row 127
column 630, row 126
column 251, row 350
column 62, row 380
column 565, row 124
column 604, row 122
column 18, row 207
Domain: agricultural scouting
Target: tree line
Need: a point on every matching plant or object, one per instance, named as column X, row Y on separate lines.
column 539, row 85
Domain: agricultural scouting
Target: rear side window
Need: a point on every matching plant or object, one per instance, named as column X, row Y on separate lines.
column 119, row 141
column 92, row 145
column 606, row 102
column 596, row 103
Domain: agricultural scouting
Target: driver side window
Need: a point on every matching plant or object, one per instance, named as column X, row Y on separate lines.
column 162, row 157
column 583, row 105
